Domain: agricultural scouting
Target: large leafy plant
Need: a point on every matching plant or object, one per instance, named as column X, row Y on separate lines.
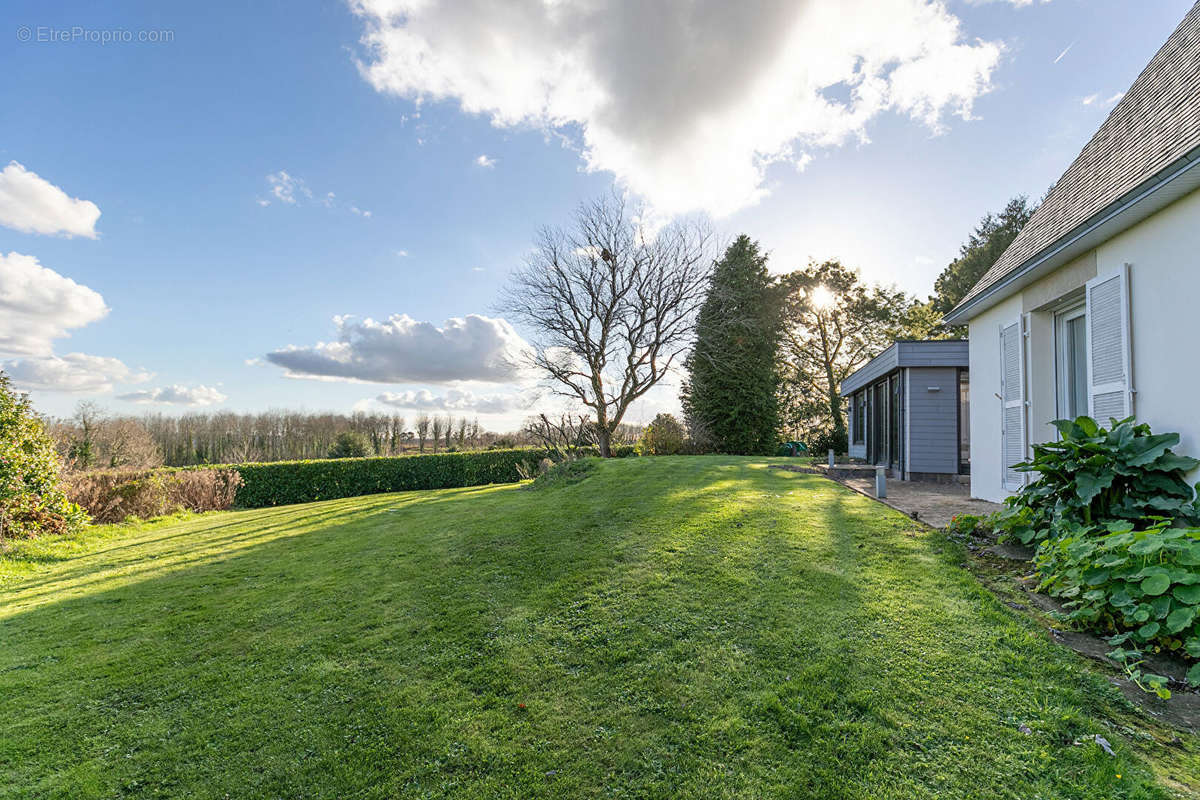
column 1091, row 475
column 1141, row 587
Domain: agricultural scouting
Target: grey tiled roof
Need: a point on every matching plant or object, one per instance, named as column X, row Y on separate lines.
column 1155, row 124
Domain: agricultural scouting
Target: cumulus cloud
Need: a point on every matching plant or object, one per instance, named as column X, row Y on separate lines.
column 455, row 400
column 402, row 350
column 485, row 162
column 37, row 305
column 31, row 204
column 73, row 372
column 177, row 394
column 686, row 102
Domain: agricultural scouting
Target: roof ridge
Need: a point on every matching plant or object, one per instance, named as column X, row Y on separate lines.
column 1155, row 123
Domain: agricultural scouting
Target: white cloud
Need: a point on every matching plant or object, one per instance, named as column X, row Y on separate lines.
column 73, row 372
column 455, row 400
column 287, row 189
column 1094, row 99
column 37, row 305
column 485, row 162
column 403, row 350
column 177, row 395
column 401, row 254
column 31, row 204
column 732, row 92
column 292, row 190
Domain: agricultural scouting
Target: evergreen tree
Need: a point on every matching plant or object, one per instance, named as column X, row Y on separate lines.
column 730, row 398
column 991, row 237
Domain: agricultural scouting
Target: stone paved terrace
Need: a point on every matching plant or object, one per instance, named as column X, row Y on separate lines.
column 932, row 503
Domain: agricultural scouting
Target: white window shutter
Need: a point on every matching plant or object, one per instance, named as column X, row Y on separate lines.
column 1110, row 380
column 1012, row 392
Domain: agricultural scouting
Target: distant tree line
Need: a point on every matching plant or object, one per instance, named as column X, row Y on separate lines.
column 94, row 439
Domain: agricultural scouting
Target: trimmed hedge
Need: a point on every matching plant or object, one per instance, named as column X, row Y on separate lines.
column 284, row 482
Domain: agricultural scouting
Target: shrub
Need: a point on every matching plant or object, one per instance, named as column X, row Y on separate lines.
column 284, row 482
column 823, row 441
column 664, row 436
column 31, row 499
column 1091, row 476
column 351, row 444
column 116, row 495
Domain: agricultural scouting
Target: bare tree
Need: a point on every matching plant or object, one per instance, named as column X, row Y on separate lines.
column 612, row 307
column 563, row 436
column 448, row 430
column 89, row 417
column 437, row 432
column 423, row 431
column 125, row 443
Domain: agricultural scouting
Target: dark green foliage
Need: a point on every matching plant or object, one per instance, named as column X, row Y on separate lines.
column 1116, row 521
column 664, row 436
column 283, row 482
column 351, row 444
column 31, row 500
column 987, row 242
column 1091, row 476
column 730, row 397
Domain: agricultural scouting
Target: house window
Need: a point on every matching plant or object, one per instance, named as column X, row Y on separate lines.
column 860, row 418
column 1071, row 363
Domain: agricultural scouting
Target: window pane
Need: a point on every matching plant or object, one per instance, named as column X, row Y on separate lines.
column 1077, row 366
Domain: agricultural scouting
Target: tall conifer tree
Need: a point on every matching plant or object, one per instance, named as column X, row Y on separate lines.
column 730, row 397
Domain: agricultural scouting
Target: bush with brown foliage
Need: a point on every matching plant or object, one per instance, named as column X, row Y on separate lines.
column 116, row 495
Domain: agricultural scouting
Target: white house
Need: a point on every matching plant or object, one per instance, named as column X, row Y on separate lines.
column 1095, row 307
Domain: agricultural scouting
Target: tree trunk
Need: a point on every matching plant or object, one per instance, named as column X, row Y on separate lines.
column 604, row 440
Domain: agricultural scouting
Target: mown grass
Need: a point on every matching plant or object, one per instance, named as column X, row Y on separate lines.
column 667, row 627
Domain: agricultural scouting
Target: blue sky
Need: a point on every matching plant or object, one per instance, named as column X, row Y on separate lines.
column 204, row 269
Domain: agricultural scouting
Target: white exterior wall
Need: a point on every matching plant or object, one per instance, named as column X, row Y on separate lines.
column 1163, row 253
column 984, row 338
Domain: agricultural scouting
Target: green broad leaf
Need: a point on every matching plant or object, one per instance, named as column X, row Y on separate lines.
column 1168, row 462
column 1087, row 426
column 1180, row 618
column 1156, row 584
column 1094, row 595
column 1141, row 614
column 1193, row 675
column 1161, row 606
column 1120, row 599
column 1089, row 484
column 1148, row 631
column 1148, row 449
column 1146, row 546
column 1192, row 645
column 1187, row 594
column 1164, row 503
column 1119, row 526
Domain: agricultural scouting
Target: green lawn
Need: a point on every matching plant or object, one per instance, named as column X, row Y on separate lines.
column 668, row 627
